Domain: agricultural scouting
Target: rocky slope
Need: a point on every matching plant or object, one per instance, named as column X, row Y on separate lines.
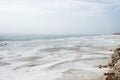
column 114, row 66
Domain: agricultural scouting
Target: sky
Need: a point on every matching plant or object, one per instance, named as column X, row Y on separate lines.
column 59, row 16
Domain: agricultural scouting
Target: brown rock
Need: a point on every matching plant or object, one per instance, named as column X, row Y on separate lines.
column 115, row 57
column 117, row 66
column 114, row 74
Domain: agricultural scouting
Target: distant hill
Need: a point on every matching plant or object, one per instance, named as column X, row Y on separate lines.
column 118, row 33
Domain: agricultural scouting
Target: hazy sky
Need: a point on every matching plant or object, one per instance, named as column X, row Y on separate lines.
column 59, row 16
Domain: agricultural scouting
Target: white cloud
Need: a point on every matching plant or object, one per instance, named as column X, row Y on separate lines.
column 48, row 16
column 41, row 7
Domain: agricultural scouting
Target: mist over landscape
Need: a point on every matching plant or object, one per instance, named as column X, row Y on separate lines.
column 58, row 39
